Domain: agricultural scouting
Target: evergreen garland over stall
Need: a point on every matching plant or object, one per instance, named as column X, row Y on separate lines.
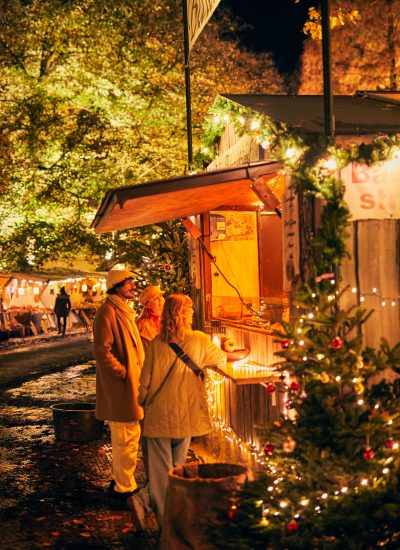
column 332, row 475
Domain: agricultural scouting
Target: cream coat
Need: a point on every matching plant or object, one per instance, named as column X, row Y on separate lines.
column 117, row 368
column 180, row 409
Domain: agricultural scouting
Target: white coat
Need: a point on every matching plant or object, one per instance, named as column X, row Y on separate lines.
column 180, row 409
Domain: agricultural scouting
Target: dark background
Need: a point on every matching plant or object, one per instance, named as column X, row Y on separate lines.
column 277, row 27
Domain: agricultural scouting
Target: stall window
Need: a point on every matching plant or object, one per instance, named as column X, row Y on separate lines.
column 246, row 277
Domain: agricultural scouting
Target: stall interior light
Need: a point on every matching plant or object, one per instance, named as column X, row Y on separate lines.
column 36, row 290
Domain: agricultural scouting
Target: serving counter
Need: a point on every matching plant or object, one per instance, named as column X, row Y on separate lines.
column 247, row 393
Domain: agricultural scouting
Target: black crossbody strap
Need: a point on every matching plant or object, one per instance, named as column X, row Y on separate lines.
column 186, row 359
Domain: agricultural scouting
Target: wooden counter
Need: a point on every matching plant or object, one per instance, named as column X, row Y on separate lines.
column 248, row 372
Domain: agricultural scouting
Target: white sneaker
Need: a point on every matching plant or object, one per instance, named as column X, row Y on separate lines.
column 138, row 512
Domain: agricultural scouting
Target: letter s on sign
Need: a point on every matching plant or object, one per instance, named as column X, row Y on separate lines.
column 367, row 201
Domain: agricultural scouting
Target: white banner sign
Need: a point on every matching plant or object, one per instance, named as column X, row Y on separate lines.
column 198, row 13
column 373, row 192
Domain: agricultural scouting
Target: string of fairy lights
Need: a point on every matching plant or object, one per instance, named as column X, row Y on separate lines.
column 274, row 504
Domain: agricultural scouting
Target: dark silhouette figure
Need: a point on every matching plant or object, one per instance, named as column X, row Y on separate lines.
column 62, row 308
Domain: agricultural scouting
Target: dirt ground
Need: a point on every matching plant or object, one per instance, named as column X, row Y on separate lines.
column 53, row 492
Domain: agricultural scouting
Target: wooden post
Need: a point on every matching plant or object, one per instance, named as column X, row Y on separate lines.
column 326, row 61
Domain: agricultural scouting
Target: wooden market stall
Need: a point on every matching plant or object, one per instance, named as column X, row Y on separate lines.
column 251, row 239
column 27, row 301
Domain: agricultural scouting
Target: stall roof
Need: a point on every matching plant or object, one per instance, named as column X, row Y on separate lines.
column 180, row 197
column 45, row 276
column 363, row 113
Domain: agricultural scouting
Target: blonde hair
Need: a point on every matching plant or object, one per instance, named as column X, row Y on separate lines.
column 173, row 323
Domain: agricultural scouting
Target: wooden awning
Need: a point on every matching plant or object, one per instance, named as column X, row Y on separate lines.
column 154, row 202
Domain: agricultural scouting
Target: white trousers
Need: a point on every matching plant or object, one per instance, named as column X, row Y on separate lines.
column 163, row 454
column 125, row 444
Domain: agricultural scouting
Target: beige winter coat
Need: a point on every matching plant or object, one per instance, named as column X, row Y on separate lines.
column 180, row 409
column 117, row 368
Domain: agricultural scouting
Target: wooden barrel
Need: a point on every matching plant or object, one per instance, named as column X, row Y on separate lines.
column 76, row 422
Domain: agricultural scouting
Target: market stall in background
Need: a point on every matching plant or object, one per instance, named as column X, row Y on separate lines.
column 27, row 301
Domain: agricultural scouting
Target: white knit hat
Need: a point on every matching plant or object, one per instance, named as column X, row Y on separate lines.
column 115, row 276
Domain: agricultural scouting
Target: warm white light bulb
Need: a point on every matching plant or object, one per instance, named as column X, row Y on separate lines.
column 330, row 164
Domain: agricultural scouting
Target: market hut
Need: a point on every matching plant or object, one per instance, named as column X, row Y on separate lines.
column 27, row 300
column 252, row 230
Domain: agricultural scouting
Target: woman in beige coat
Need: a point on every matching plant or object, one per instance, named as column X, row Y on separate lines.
column 174, row 401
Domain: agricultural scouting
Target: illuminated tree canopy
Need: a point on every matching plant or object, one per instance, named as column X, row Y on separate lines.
column 365, row 47
column 93, row 97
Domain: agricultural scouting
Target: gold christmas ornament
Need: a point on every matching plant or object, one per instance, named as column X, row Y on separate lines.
column 289, row 445
column 359, row 388
column 324, row 377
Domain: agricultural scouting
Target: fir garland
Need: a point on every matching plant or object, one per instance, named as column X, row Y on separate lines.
column 313, row 166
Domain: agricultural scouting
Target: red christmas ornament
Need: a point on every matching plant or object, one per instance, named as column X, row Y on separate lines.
column 294, row 386
column 337, row 343
column 268, row 449
column 368, row 454
column 285, row 344
column 292, row 526
column 390, row 443
column 270, row 388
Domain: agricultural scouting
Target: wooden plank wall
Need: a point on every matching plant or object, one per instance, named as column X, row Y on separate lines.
column 244, row 407
column 374, row 246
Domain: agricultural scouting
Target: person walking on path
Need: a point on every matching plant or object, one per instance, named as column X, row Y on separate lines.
column 62, row 307
column 149, row 320
column 174, row 401
column 119, row 355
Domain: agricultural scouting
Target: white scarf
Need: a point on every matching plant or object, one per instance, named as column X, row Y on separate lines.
column 127, row 316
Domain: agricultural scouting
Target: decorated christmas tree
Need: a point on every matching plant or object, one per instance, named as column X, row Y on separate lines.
column 332, row 476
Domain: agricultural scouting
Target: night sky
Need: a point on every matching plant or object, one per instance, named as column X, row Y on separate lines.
column 277, row 27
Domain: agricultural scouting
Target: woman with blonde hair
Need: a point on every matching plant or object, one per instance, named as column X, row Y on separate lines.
column 149, row 320
column 173, row 396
